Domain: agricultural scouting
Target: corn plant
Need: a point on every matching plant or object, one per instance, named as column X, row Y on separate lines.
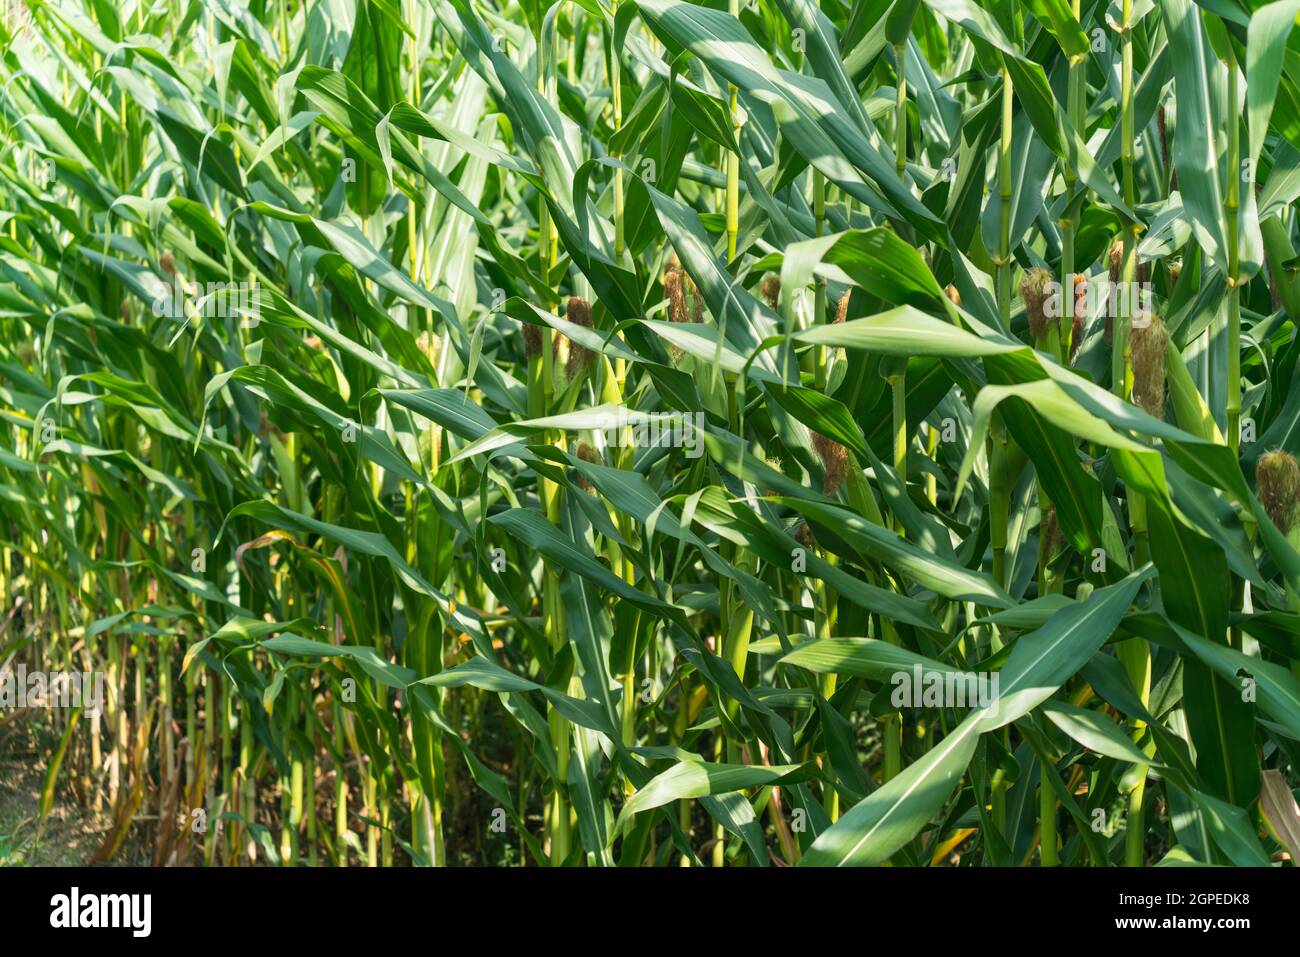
column 647, row 432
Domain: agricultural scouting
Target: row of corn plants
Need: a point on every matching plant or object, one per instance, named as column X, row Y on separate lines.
column 645, row 432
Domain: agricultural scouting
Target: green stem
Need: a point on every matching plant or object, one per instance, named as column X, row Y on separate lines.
column 248, row 803
column 902, row 438
column 900, row 111
column 1070, row 222
column 616, row 87
column 1278, row 251
column 892, row 725
column 1122, row 346
column 1135, row 655
column 340, row 789
column 733, row 161
column 295, row 783
column 1004, row 196
column 1231, row 205
column 1047, row 852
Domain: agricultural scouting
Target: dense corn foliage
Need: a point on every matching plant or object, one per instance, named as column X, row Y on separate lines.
column 634, row 432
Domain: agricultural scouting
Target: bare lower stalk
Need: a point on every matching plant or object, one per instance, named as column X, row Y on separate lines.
column 340, row 790
column 248, row 797
column 296, row 770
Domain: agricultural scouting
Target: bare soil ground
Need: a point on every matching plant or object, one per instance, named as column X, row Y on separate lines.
column 71, row 833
